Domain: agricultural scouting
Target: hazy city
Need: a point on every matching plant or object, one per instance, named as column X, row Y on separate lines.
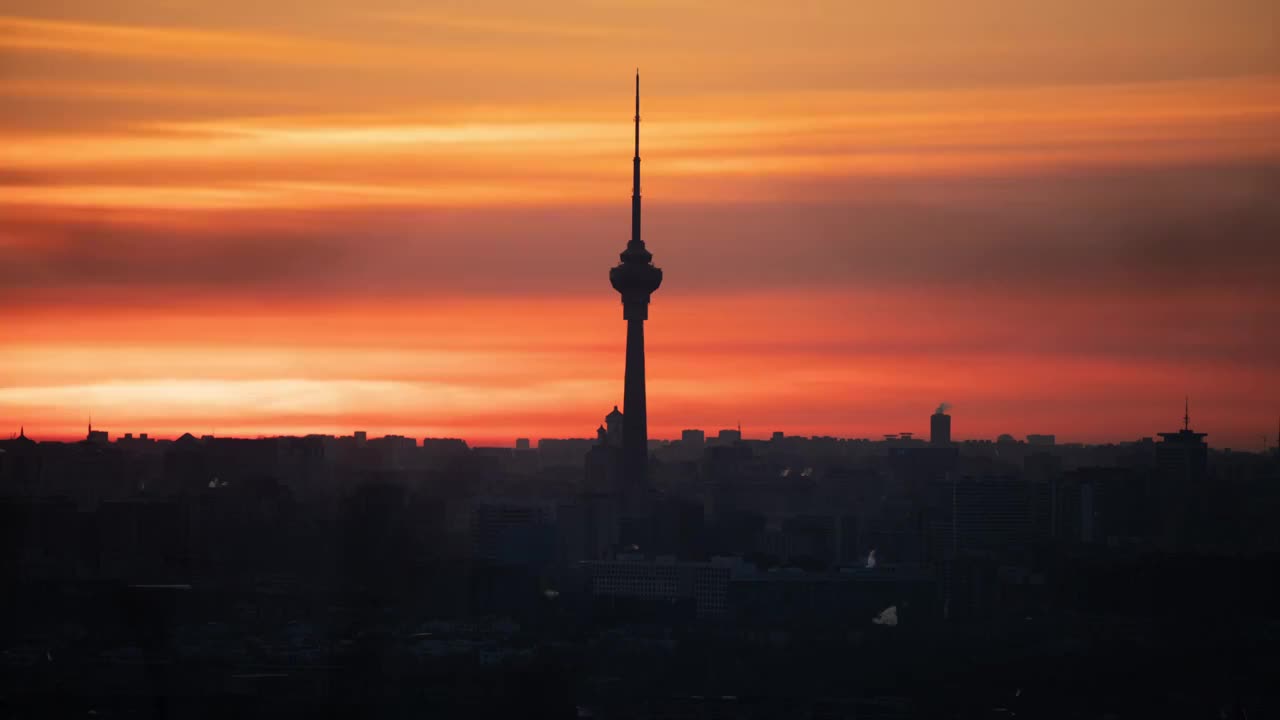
column 789, row 577
column 624, row 576
column 934, row 375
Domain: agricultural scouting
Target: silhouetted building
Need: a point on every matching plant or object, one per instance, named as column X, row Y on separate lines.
column 392, row 452
column 604, row 472
column 1183, row 456
column 679, row 528
column 513, row 532
column 20, row 465
column 982, row 513
column 690, row 446
column 588, row 527
column 1041, row 440
column 1104, row 505
column 1182, row 468
column 186, row 465
column 99, row 437
column 940, row 428
column 564, row 452
column 522, row 443
column 916, row 467
column 613, row 424
column 809, row 541
column 439, row 451
column 663, row 581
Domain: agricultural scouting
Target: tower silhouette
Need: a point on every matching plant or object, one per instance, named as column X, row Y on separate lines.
column 635, row 278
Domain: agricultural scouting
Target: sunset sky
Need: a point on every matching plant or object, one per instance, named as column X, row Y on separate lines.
column 258, row 218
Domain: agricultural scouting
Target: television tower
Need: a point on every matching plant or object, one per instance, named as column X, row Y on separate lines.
column 635, row 279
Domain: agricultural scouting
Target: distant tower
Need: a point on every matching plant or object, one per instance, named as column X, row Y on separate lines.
column 635, row 278
column 940, row 427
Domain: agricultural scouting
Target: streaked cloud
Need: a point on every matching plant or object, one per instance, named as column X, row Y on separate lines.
column 25, row 34
column 457, row 20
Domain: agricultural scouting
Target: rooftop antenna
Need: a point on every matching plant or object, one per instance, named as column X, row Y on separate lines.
column 1186, row 412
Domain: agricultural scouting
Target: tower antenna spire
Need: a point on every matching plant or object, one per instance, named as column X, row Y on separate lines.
column 1186, row 412
column 635, row 172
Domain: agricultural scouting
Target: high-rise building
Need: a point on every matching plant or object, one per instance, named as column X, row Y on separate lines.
column 940, row 428
column 511, row 531
column 1183, row 456
column 613, row 424
column 981, row 513
column 729, row 436
column 693, row 438
column 692, row 443
column 635, row 279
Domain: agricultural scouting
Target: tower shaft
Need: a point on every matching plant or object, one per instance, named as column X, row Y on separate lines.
column 635, row 424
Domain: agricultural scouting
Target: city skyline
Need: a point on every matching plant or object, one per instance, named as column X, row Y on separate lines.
column 529, row 441
column 244, row 222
